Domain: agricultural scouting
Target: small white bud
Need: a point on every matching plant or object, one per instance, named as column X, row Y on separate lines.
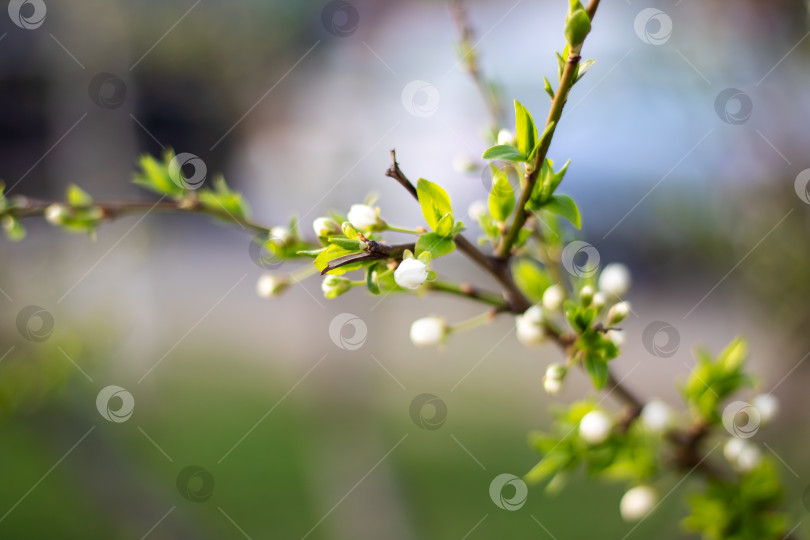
column 616, row 336
column 364, row 217
column 529, row 327
column 334, row 286
column 656, row 416
column 282, row 235
column 615, row 280
column 506, row 137
column 586, row 295
column 749, row 457
column 55, row 214
column 767, row 405
column 271, row 285
column 325, row 226
column 732, row 449
column 595, row 427
column 637, row 502
column 477, row 210
column 463, row 164
column 552, row 382
column 618, row 313
column 553, row 297
column 428, row 332
column 410, row 273
column 599, row 300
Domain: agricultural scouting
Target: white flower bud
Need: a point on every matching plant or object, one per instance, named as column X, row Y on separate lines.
column 410, row 273
column 595, row 427
column 586, row 295
column 463, row 164
column 552, row 382
column 334, row 286
column 767, row 406
column 506, row 137
column 599, row 300
column 477, row 210
column 732, row 449
column 616, row 336
column 656, row 416
column 364, row 217
column 428, row 332
column 271, row 285
column 529, row 327
column 637, row 502
column 615, row 280
column 281, row 235
column 55, row 214
column 325, row 226
column 618, row 313
column 749, row 457
column 553, row 297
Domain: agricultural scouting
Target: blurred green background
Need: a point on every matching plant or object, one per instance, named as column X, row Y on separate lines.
column 301, row 437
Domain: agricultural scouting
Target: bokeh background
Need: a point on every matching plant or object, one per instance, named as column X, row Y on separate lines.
column 699, row 190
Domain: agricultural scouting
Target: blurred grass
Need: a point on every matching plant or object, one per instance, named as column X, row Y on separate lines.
column 201, row 405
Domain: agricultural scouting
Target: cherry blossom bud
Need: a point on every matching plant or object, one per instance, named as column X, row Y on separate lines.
column 334, row 286
column 477, row 210
column 749, row 457
column 616, row 336
column 586, row 295
column 618, row 313
column 615, row 280
column 599, row 300
column 56, row 213
column 638, row 502
column 552, row 382
column 595, row 427
column 410, row 273
column 463, row 164
column 271, row 285
column 428, row 332
column 767, row 406
column 530, row 327
column 364, row 217
column 553, row 297
column 656, row 416
column 281, row 235
column 506, row 137
column 325, row 226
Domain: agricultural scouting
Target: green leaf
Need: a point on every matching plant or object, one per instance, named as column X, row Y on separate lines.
column 561, row 61
column 154, row 175
column 564, row 206
column 76, row 196
column 526, row 130
column 583, row 68
column 333, row 252
column 504, row 152
column 530, row 279
column 222, row 199
column 371, row 279
column 548, row 132
column 501, row 197
column 345, row 243
column 577, row 26
column 310, row 252
column 597, row 370
column 434, row 244
column 547, row 87
column 14, row 229
column 434, row 201
column 445, row 225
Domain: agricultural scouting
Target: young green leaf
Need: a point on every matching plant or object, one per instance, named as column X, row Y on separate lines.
column 13, row 228
column 434, row 201
column 530, row 279
column 434, row 244
column 76, row 196
column 371, row 279
column 501, row 196
column 333, row 252
column 154, row 175
column 504, row 152
column 445, row 225
column 583, row 68
column 526, row 130
column 547, row 87
column 564, row 206
column 222, row 199
column 597, row 369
